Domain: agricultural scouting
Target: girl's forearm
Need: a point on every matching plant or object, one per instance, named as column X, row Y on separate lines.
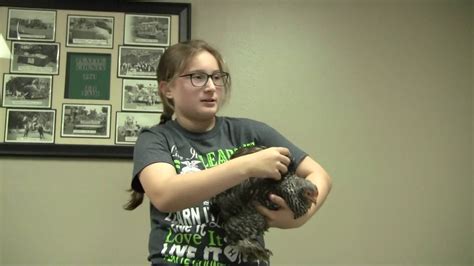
column 176, row 192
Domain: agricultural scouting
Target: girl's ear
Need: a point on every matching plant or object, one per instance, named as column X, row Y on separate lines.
column 165, row 89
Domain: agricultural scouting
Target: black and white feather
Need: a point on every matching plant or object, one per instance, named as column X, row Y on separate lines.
column 236, row 212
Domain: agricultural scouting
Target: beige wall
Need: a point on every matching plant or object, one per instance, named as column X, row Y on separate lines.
column 379, row 92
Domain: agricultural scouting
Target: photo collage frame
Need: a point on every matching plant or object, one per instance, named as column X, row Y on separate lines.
column 82, row 79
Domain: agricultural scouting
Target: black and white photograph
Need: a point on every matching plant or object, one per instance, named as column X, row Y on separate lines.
column 86, row 120
column 31, row 25
column 147, row 30
column 87, row 31
column 30, row 125
column 129, row 125
column 138, row 62
column 28, row 91
column 141, row 95
column 35, row 58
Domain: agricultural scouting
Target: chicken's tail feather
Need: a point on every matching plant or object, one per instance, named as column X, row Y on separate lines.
column 253, row 250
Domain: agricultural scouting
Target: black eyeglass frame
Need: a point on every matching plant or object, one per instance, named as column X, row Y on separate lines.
column 224, row 75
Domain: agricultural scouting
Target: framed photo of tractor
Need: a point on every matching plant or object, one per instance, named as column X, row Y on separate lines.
column 27, row 91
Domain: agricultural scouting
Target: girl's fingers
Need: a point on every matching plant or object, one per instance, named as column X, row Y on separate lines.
column 286, row 160
column 282, row 169
column 284, row 151
column 277, row 200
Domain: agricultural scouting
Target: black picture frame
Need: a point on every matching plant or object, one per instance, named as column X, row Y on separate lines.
column 147, row 30
column 141, row 95
column 27, row 91
column 30, row 126
column 182, row 10
column 147, row 67
column 27, row 60
column 77, row 123
column 129, row 125
column 78, row 35
column 43, row 30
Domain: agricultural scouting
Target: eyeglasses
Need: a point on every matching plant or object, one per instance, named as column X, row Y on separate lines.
column 200, row 79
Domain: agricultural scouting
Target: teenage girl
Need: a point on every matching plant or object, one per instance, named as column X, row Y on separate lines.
column 184, row 161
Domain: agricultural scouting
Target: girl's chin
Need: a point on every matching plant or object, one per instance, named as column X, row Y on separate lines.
column 208, row 114
column 208, row 109
column 204, row 113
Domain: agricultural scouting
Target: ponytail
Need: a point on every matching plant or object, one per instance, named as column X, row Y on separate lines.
column 167, row 112
column 136, row 195
column 136, row 198
column 136, row 191
column 165, row 118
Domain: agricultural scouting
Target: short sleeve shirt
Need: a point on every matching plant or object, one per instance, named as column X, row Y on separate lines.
column 191, row 236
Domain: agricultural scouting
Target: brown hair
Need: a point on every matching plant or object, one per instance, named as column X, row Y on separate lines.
column 172, row 63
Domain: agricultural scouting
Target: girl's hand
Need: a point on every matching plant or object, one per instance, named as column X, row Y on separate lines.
column 267, row 163
column 283, row 217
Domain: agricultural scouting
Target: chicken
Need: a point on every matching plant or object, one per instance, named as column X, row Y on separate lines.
column 243, row 224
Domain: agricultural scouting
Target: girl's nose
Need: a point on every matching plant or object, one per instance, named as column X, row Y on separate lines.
column 210, row 85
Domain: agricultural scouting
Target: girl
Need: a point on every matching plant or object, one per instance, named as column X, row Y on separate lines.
column 184, row 161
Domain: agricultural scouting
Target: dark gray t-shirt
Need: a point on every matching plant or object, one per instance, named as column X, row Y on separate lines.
column 191, row 236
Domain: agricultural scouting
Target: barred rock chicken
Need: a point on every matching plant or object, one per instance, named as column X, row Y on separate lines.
column 244, row 225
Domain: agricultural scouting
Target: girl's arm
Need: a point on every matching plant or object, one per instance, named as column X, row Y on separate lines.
column 283, row 217
column 171, row 192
